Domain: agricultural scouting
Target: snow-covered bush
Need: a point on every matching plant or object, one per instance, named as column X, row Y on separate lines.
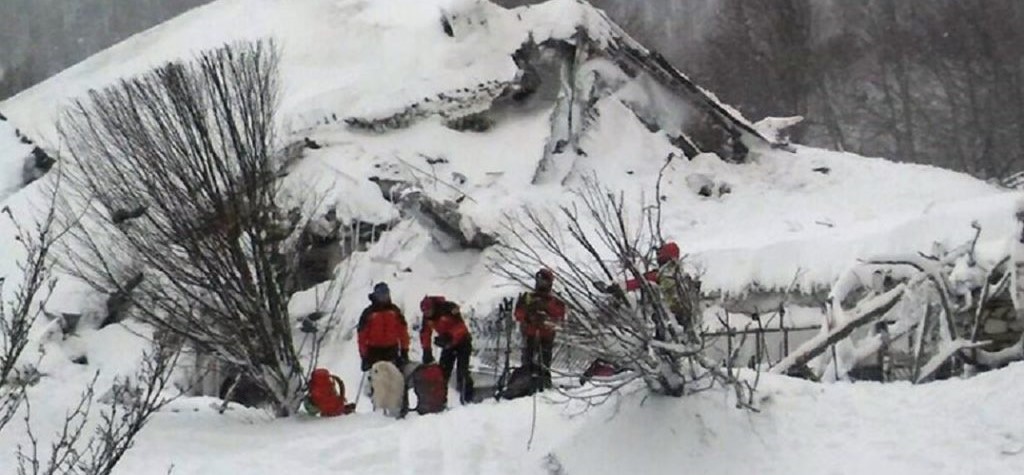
column 174, row 174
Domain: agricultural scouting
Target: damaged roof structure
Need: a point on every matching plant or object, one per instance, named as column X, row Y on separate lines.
column 570, row 71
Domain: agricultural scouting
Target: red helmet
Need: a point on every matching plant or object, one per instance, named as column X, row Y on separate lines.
column 668, row 252
column 430, row 302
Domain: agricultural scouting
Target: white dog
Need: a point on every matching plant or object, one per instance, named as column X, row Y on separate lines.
column 387, row 389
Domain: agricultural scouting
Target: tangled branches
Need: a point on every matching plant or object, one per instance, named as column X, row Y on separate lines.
column 653, row 334
column 176, row 174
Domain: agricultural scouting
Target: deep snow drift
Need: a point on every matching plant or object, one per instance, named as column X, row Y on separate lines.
column 801, row 216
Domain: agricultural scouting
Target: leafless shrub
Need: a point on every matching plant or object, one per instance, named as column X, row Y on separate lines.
column 177, row 176
column 655, row 335
column 18, row 315
column 132, row 403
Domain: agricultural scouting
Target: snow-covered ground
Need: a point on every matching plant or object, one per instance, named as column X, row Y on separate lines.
column 802, row 216
column 950, row 427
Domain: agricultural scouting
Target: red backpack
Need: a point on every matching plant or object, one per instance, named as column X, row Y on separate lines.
column 327, row 394
column 431, row 391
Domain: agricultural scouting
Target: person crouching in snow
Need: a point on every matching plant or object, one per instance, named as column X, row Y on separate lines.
column 444, row 318
column 326, row 395
column 538, row 312
column 383, row 333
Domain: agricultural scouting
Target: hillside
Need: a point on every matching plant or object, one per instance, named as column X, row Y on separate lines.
column 405, row 120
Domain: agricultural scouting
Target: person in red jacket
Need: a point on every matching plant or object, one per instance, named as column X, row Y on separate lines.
column 538, row 314
column 668, row 256
column 678, row 290
column 327, row 395
column 383, row 333
column 444, row 318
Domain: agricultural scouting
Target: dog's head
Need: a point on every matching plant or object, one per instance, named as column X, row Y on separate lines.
column 384, row 370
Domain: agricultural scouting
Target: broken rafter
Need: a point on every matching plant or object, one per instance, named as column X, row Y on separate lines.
column 864, row 314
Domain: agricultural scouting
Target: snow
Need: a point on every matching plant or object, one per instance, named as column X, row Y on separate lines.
column 345, row 57
column 807, row 215
column 950, row 427
column 797, row 220
column 13, row 155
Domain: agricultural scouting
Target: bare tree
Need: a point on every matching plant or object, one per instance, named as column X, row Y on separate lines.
column 18, row 315
column 177, row 176
column 655, row 335
column 83, row 446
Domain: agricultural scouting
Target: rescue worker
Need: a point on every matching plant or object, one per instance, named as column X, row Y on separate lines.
column 383, row 333
column 678, row 290
column 538, row 313
column 445, row 318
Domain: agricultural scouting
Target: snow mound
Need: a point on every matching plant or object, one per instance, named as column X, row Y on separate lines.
column 949, row 427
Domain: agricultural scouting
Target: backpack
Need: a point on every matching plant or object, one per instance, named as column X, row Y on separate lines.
column 600, row 368
column 521, row 382
column 327, row 395
column 431, row 391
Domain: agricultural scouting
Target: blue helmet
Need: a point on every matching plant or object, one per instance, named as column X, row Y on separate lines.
column 381, row 292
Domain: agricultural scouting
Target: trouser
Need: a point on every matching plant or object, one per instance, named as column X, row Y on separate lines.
column 457, row 357
column 537, row 353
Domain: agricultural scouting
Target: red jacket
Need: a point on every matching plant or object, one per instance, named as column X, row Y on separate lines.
column 382, row 326
column 447, row 322
column 537, row 313
column 327, row 398
column 634, row 284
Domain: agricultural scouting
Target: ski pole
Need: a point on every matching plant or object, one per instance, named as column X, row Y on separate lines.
column 359, row 392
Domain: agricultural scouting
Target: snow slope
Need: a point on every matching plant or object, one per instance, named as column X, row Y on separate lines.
column 344, row 58
column 349, row 57
column 803, row 216
column 13, row 154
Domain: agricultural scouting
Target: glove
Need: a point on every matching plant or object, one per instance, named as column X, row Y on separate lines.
column 365, row 366
column 443, row 341
column 428, row 357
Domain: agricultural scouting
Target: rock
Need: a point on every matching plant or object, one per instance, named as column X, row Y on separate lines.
column 119, row 302
column 312, row 144
column 701, row 184
column 245, row 392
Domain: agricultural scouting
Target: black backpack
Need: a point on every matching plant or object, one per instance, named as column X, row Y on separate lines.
column 521, row 382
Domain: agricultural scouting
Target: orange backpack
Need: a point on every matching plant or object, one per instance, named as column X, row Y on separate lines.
column 327, row 394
